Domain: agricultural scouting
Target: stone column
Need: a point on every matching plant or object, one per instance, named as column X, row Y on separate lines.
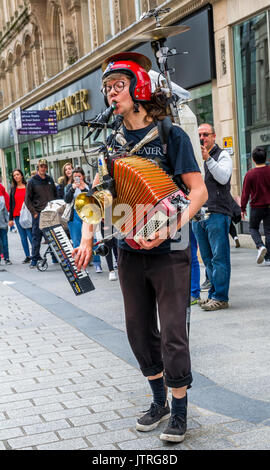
column 224, row 107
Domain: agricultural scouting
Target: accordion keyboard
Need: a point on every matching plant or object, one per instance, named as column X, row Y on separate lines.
column 158, row 220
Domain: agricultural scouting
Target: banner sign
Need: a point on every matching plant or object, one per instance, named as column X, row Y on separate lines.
column 38, row 122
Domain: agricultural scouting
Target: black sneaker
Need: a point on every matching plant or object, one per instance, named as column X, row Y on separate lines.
column 176, row 430
column 151, row 419
column 205, row 285
column 7, row 261
column 26, row 260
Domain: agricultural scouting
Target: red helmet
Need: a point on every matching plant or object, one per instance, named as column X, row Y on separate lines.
column 130, row 63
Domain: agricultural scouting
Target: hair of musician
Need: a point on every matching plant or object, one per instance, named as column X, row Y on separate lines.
column 78, row 169
column 259, row 155
column 158, row 107
column 14, row 182
column 64, row 172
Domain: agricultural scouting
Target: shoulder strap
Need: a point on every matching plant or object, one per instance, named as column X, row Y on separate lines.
column 162, row 129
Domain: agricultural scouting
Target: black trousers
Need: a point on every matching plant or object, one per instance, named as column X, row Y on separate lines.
column 158, row 284
column 256, row 216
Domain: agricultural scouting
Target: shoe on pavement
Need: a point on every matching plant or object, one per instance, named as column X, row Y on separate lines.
column 151, row 419
column 261, row 254
column 33, row 264
column 236, row 242
column 98, row 269
column 266, row 262
column 205, row 285
column 194, row 300
column 7, row 261
column 26, row 260
column 176, row 429
column 112, row 276
column 203, row 302
column 215, row 305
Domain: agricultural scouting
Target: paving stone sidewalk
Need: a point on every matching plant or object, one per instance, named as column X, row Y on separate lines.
column 59, row 389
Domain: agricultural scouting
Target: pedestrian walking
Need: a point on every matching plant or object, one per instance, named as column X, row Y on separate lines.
column 155, row 275
column 40, row 190
column 195, row 270
column 17, row 197
column 256, row 187
column 64, row 180
column 212, row 233
column 73, row 189
column 112, row 256
column 4, row 229
column 4, row 193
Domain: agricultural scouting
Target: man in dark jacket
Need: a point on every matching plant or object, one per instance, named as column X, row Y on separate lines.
column 40, row 190
column 213, row 233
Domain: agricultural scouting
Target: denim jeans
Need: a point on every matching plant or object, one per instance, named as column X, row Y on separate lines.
column 4, row 240
column 195, row 267
column 36, row 238
column 213, row 239
column 25, row 235
column 75, row 230
column 256, row 216
column 96, row 258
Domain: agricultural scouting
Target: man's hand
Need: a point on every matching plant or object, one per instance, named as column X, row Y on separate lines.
column 155, row 239
column 35, row 215
column 243, row 214
column 205, row 153
column 11, row 223
column 82, row 255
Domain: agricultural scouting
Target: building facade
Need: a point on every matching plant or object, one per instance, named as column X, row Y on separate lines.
column 51, row 52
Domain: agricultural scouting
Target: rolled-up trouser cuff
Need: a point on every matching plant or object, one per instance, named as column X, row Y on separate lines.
column 178, row 383
column 153, row 370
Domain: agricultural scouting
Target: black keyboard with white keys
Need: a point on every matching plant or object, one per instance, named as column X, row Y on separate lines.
column 62, row 248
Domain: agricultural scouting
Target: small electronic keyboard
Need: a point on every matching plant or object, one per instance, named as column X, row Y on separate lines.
column 62, row 249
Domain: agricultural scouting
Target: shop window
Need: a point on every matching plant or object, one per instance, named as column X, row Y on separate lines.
column 38, row 148
column 62, row 142
column 32, row 149
column 201, row 103
column 10, row 162
column 251, row 53
column 25, row 159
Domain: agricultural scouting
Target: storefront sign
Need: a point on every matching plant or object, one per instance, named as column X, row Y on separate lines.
column 73, row 104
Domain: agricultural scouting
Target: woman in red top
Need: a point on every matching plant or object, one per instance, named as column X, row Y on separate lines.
column 17, row 195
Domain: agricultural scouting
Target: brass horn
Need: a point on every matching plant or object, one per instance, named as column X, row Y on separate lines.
column 91, row 209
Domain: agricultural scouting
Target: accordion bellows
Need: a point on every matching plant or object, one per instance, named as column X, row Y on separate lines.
column 139, row 184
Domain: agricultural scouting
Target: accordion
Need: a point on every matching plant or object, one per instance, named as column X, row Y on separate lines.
column 141, row 196
column 147, row 198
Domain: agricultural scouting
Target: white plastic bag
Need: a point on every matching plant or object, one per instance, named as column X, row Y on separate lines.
column 25, row 219
column 52, row 214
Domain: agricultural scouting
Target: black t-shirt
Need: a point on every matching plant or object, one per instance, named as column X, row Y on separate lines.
column 180, row 159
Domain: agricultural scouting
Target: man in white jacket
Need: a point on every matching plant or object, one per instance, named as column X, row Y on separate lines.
column 212, row 234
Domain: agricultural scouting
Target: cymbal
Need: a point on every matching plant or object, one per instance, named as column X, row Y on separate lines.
column 162, row 32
